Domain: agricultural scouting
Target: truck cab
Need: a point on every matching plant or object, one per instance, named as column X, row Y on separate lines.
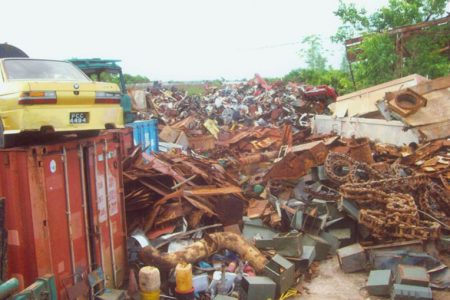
column 103, row 70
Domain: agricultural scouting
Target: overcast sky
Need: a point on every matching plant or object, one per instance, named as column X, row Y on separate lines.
column 176, row 39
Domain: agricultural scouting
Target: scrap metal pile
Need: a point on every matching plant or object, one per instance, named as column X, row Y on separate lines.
column 242, row 165
column 163, row 188
column 241, row 106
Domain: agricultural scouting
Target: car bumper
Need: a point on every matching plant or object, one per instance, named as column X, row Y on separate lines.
column 35, row 118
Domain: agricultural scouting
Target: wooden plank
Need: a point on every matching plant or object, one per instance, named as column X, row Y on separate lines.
column 213, row 191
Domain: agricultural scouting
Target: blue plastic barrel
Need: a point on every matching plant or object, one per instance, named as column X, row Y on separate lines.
column 145, row 134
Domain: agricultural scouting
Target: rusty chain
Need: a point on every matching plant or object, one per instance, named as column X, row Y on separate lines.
column 387, row 207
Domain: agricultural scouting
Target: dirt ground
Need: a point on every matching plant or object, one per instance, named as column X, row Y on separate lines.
column 332, row 283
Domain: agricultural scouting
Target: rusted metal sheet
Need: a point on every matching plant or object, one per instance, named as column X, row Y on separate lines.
column 296, row 165
column 257, row 158
column 257, row 208
column 202, row 143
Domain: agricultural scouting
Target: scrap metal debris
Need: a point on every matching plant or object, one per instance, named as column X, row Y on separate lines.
column 243, row 163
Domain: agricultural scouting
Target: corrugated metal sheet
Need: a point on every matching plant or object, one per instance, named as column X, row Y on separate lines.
column 390, row 132
column 65, row 210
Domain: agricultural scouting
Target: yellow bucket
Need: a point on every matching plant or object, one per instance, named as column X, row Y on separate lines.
column 153, row 295
column 183, row 277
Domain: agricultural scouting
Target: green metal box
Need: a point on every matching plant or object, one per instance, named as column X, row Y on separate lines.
column 288, row 244
column 257, row 288
column 281, row 271
column 411, row 292
column 308, row 256
column 352, row 258
column 412, row 275
column 322, row 247
column 379, row 283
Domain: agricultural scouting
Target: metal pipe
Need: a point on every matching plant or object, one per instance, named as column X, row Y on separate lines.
column 111, row 235
column 68, row 211
column 102, row 259
column 85, row 208
column 8, row 287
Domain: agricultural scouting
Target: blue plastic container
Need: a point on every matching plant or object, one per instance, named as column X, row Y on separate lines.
column 145, row 134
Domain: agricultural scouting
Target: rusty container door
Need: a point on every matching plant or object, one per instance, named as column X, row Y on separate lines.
column 25, row 221
column 108, row 208
column 64, row 192
column 65, row 210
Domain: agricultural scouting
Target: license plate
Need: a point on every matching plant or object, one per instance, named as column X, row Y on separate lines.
column 79, row 118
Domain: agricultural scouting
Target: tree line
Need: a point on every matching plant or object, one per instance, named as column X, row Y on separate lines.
column 382, row 54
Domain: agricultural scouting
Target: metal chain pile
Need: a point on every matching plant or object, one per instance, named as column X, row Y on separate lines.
column 387, row 205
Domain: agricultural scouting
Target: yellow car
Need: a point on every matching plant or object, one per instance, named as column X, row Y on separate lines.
column 54, row 96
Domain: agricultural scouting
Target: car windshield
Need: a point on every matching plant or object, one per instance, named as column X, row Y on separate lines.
column 29, row 69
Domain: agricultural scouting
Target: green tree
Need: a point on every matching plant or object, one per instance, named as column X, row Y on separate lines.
column 130, row 79
column 314, row 53
column 114, row 78
column 316, row 71
column 378, row 56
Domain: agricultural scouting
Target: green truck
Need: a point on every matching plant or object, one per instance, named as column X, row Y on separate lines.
column 103, row 69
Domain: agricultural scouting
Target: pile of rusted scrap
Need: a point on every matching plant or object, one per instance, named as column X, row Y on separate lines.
column 202, row 122
column 320, row 196
column 287, row 197
column 359, row 200
column 163, row 188
column 396, row 193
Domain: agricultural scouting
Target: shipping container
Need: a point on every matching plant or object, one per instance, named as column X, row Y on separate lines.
column 64, row 209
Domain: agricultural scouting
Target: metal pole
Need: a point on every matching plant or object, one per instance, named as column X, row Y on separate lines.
column 8, row 287
column 68, row 212
column 111, row 236
column 85, row 207
column 98, row 214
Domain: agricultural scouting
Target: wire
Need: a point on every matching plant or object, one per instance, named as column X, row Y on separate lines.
column 288, row 294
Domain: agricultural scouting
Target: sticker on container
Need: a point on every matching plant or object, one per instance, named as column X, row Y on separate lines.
column 101, row 198
column 61, row 267
column 53, row 166
column 13, row 238
column 112, row 194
